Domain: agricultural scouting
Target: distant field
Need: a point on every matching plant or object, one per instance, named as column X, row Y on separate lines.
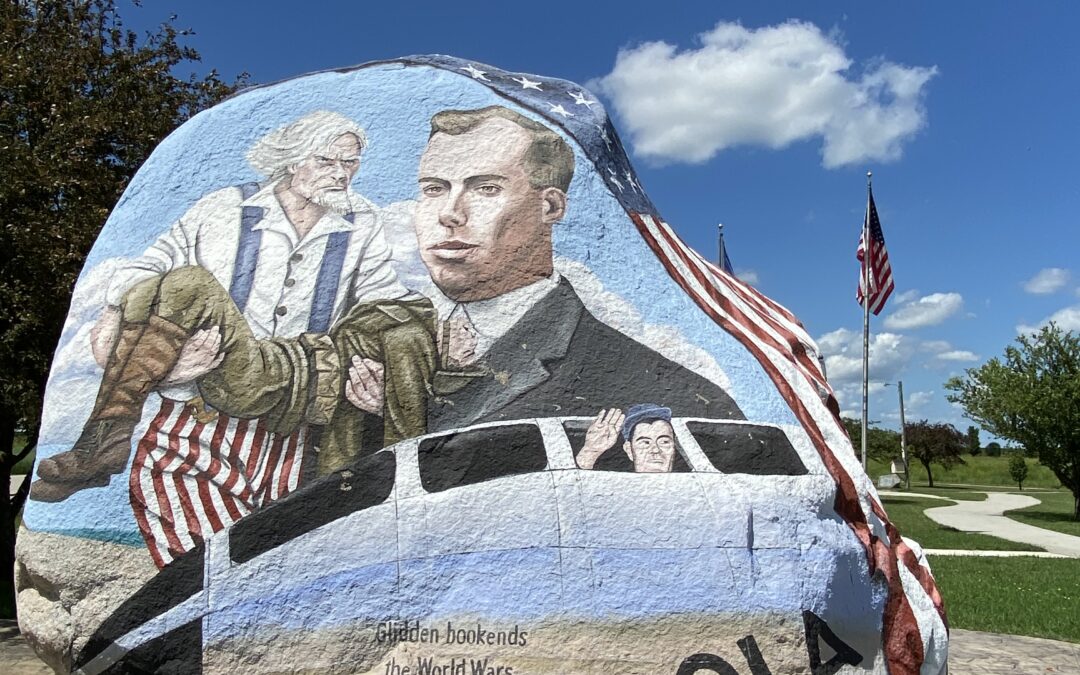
column 978, row 470
column 907, row 514
column 1054, row 513
column 1020, row 596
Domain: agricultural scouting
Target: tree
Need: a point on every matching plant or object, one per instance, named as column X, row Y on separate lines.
column 882, row 445
column 934, row 444
column 1031, row 396
column 83, row 101
column 1018, row 468
column 993, row 449
column 974, row 446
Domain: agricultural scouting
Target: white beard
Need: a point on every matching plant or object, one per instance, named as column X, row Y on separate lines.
column 337, row 201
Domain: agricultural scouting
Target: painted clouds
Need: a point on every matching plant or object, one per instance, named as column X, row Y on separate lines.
column 770, row 86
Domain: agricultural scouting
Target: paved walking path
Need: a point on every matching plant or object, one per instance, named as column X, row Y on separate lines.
column 991, row 554
column 893, row 493
column 969, row 652
column 986, row 518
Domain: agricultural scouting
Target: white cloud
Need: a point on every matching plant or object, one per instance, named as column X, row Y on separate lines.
column 916, row 400
column 748, row 276
column 936, row 345
column 889, row 354
column 928, row 310
column 906, row 296
column 958, row 355
column 1048, row 280
column 1066, row 319
column 771, row 86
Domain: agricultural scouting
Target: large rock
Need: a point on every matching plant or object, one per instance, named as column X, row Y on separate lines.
column 404, row 373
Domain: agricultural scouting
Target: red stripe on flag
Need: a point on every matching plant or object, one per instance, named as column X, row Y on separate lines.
column 186, row 502
column 209, row 507
column 135, row 492
column 287, row 466
column 164, row 505
column 236, row 447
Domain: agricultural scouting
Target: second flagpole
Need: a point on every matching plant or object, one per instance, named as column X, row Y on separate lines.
column 867, row 253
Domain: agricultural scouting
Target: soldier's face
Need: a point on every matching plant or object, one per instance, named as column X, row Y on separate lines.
column 323, row 175
column 482, row 229
column 652, row 447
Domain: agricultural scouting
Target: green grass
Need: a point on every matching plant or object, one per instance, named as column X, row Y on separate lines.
column 1054, row 513
column 907, row 514
column 1020, row 596
column 978, row 470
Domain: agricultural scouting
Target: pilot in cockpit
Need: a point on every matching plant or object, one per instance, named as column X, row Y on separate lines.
column 648, row 438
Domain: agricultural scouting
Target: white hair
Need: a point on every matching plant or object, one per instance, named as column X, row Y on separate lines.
column 274, row 153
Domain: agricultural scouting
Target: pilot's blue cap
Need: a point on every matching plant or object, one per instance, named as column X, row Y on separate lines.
column 643, row 412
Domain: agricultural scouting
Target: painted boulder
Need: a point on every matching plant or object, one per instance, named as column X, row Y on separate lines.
column 396, row 369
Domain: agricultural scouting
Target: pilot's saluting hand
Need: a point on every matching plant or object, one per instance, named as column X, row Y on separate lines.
column 602, row 435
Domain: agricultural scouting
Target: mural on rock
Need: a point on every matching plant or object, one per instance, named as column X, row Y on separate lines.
column 396, row 369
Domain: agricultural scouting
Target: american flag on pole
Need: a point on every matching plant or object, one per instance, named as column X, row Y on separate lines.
column 725, row 261
column 879, row 279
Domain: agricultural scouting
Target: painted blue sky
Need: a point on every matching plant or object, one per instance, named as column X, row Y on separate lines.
column 766, row 118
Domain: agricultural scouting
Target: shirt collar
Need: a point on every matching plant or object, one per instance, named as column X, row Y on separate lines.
column 493, row 317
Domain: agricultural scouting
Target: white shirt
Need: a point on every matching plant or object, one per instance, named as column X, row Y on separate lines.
column 492, row 318
column 287, row 267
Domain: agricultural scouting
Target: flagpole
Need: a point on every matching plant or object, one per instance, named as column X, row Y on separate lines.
column 866, row 318
column 720, row 245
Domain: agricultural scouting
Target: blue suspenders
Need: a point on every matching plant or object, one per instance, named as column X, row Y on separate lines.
column 326, row 284
column 247, row 253
column 247, row 258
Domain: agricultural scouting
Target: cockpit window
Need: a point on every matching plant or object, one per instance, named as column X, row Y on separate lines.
column 747, row 448
column 616, row 458
column 477, row 455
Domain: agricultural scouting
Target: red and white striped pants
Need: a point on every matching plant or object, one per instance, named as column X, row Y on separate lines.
column 190, row 479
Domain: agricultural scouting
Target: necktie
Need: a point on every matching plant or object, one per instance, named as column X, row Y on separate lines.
column 457, row 340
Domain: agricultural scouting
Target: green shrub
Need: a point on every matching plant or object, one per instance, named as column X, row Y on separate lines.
column 1018, row 468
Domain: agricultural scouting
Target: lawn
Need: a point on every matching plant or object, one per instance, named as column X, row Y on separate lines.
column 1054, row 513
column 977, row 470
column 907, row 514
column 1019, row 596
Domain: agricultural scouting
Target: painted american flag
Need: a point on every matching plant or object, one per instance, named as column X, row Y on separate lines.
column 775, row 338
column 880, row 277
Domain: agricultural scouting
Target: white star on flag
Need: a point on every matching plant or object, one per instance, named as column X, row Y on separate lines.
column 526, row 83
column 561, row 110
column 579, row 98
column 631, row 181
column 604, row 135
column 615, row 179
column 476, row 73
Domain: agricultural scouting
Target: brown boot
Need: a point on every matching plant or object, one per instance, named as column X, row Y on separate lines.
column 144, row 355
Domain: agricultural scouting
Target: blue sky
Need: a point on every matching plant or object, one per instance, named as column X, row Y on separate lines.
column 966, row 115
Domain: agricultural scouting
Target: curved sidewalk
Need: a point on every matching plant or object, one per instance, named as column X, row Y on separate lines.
column 986, row 518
